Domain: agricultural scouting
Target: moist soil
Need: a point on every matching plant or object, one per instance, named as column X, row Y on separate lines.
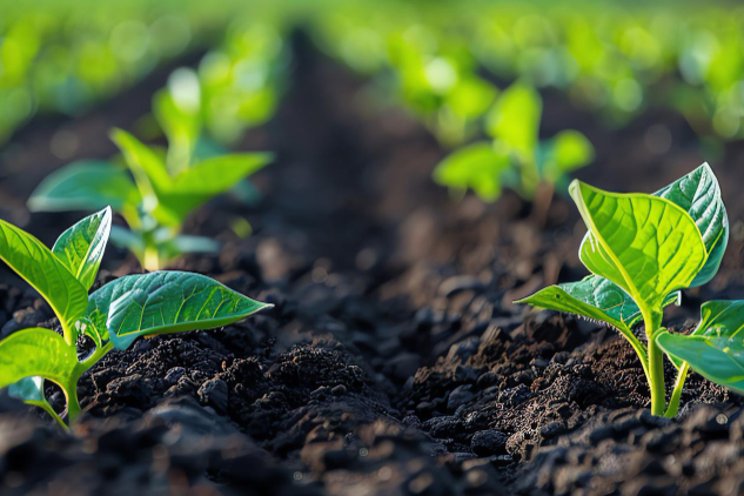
column 394, row 361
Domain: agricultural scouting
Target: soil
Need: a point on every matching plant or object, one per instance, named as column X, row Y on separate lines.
column 394, row 361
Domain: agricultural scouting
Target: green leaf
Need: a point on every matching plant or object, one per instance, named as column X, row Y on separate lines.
column 28, row 389
column 700, row 195
column 568, row 150
column 36, row 352
column 715, row 349
column 478, row 167
column 164, row 302
column 717, row 318
column 721, row 317
column 147, row 167
column 38, row 266
column 645, row 244
column 80, row 248
column 207, row 179
column 515, row 120
column 85, row 185
column 595, row 298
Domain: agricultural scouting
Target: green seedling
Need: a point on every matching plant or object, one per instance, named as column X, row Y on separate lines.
column 515, row 157
column 439, row 83
column 111, row 317
column 153, row 196
column 642, row 250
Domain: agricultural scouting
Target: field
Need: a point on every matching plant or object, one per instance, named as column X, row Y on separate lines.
column 394, row 360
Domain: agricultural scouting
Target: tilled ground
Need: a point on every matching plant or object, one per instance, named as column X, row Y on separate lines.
column 394, row 361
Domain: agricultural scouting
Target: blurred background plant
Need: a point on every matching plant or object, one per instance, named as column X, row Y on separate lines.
column 447, row 62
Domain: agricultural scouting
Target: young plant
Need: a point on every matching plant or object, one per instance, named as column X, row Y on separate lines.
column 112, row 317
column 642, row 251
column 515, row 157
column 155, row 195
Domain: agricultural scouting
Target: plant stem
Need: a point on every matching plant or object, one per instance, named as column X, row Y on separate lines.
column 657, row 387
column 94, row 357
column 70, row 388
column 44, row 405
column 151, row 259
column 656, row 373
column 673, row 407
column 73, row 404
column 67, row 333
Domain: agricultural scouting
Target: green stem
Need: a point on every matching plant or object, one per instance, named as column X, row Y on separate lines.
column 642, row 355
column 70, row 388
column 657, row 387
column 150, row 259
column 73, row 404
column 44, row 405
column 95, row 357
column 679, row 385
column 67, row 332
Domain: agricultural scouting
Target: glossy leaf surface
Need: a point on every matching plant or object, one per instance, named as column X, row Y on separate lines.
column 164, row 302
column 80, row 248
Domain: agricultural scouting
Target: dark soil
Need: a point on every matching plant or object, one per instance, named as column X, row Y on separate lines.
column 394, row 361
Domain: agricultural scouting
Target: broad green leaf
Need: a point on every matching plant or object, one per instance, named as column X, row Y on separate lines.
column 28, row 389
column 147, row 167
column 36, row 352
column 164, row 302
column 568, row 150
column 38, row 266
column 478, row 167
column 700, row 195
column 80, row 248
column 85, row 185
column 721, row 317
column 515, row 120
column 715, row 349
column 717, row 318
column 647, row 245
column 201, row 182
column 218, row 174
column 595, row 298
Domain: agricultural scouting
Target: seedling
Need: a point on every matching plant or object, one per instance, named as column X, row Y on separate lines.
column 642, row 251
column 154, row 198
column 515, row 157
column 112, row 317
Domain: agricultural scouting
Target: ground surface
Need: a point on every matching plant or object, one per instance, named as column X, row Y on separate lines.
column 394, row 361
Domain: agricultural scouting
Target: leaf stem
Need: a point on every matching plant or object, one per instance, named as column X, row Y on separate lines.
column 95, row 357
column 67, row 332
column 44, row 405
column 673, row 407
column 652, row 323
column 70, row 387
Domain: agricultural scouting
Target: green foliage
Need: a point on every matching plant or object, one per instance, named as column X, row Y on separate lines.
column 516, row 158
column 113, row 317
column 154, row 199
column 478, row 166
column 642, row 250
column 715, row 349
column 160, row 303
